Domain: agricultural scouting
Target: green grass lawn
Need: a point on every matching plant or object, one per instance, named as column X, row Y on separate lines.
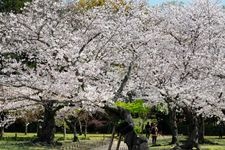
column 215, row 143
column 23, row 142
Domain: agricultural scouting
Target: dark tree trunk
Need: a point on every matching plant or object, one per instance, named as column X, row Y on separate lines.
column 46, row 133
column 112, row 138
column 85, row 128
column 38, row 129
column 119, row 141
column 173, row 125
column 72, row 123
column 123, row 83
column 64, row 129
column 193, row 137
column 80, row 127
column 2, row 132
column 201, row 129
column 126, row 128
column 75, row 137
column 173, row 118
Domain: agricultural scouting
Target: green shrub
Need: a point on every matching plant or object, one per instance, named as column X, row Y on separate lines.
column 137, row 129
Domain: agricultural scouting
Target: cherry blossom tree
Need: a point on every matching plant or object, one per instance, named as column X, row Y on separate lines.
column 182, row 69
column 7, row 119
column 56, row 56
column 29, row 115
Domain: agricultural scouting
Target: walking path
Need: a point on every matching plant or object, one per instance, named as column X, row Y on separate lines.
column 123, row 146
column 93, row 145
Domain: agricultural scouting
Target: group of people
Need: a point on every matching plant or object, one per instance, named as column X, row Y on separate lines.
column 151, row 130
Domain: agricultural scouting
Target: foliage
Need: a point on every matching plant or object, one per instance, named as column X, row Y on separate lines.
column 135, row 107
column 90, row 4
column 162, row 108
column 12, row 5
column 138, row 129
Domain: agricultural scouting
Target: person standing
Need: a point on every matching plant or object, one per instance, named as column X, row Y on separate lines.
column 147, row 130
column 154, row 132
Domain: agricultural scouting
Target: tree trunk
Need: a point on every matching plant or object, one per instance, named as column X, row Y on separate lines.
column 2, row 131
column 26, row 128
column 112, row 137
column 73, row 127
column 15, row 135
column 143, row 125
column 48, row 126
column 80, row 126
column 64, row 129
column 193, row 138
column 38, row 129
column 85, row 129
column 75, row 137
column 126, row 128
column 119, row 141
column 15, row 129
column 201, row 129
column 173, row 125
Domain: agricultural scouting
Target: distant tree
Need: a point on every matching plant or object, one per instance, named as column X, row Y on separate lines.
column 6, row 119
column 28, row 115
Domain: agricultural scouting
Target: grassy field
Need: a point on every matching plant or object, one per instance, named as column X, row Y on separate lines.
column 22, row 142
column 214, row 143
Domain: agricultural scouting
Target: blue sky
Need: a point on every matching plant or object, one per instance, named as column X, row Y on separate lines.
column 155, row 2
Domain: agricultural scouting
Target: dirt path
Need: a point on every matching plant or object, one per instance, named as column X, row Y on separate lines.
column 123, row 146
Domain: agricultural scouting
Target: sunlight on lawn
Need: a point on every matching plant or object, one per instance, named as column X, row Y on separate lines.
column 22, row 142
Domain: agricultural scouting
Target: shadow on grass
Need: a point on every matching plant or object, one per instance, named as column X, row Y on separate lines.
column 17, row 138
column 167, row 145
column 26, row 145
column 155, row 145
column 206, row 141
